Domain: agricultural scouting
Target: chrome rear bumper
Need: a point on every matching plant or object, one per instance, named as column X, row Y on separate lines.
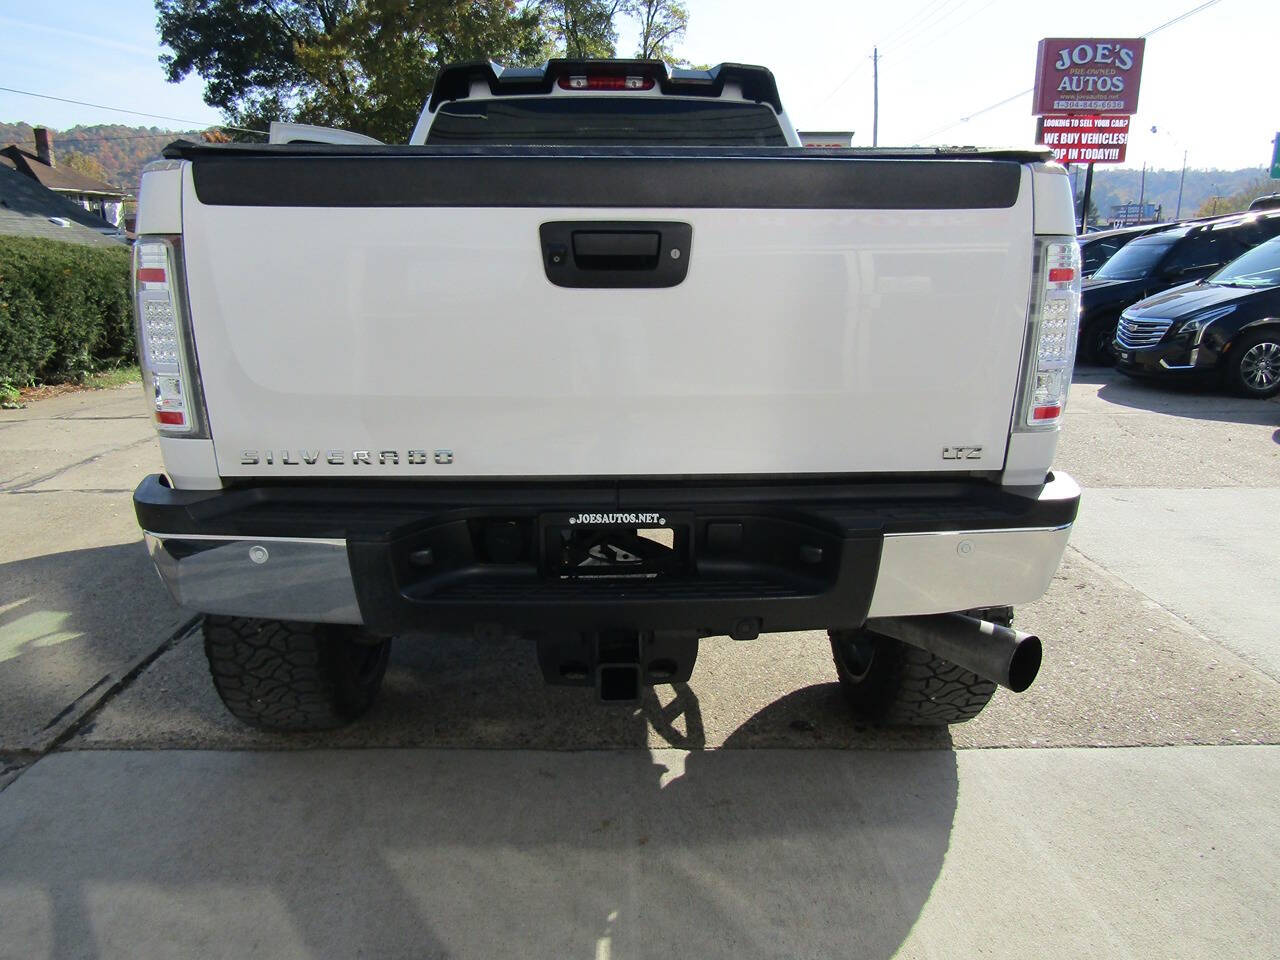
column 273, row 577
column 901, row 555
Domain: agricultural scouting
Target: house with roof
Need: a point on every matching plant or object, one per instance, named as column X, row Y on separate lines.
column 29, row 210
column 93, row 195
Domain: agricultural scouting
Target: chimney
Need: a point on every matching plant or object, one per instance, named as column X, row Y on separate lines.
column 44, row 146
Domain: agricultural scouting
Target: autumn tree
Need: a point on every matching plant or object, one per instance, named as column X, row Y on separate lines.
column 365, row 65
column 1239, row 200
column 84, row 164
column 368, row 65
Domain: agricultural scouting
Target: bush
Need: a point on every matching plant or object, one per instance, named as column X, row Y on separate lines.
column 65, row 310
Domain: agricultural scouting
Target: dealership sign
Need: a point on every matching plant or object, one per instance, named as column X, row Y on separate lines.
column 1084, row 139
column 1088, row 76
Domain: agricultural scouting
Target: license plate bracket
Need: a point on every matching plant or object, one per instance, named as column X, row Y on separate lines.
column 616, row 546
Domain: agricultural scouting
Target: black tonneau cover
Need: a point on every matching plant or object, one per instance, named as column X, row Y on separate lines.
column 338, row 175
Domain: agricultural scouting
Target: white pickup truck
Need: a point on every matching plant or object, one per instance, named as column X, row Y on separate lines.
column 605, row 357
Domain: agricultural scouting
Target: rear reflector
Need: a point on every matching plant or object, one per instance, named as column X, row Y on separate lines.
column 598, row 81
column 171, row 416
column 151, row 274
column 1061, row 274
column 1046, row 413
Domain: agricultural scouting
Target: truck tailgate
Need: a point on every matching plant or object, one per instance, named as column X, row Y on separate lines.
column 838, row 316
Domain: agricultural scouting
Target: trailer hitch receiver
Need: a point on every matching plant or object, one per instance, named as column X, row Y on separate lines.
column 617, row 662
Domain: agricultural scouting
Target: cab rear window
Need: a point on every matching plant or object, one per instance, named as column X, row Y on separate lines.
column 585, row 121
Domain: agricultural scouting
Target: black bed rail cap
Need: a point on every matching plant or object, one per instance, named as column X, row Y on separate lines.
column 454, row 81
column 190, row 150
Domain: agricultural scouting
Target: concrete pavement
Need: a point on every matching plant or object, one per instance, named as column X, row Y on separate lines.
column 80, row 607
column 1155, row 852
column 1210, row 556
column 110, row 849
column 1120, row 432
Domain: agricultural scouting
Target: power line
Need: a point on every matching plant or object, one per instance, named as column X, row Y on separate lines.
column 910, row 23
column 929, row 42
column 905, row 27
column 136, row 113
column 943, row 13
column 847, row 77
column 1178, row 19
column 977, row 113
column 1022, row 93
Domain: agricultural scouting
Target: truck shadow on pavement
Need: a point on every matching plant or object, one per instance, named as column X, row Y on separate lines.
column 68, row 631
column 474, row 853
column 450, row 690
column 1199, row 401
column 552, row 850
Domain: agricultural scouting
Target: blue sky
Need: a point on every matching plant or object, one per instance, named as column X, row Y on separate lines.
column 1208, row 83
column 105, row 52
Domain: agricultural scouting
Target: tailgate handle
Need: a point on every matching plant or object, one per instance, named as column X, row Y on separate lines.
column 616, row 250
column 614, row 253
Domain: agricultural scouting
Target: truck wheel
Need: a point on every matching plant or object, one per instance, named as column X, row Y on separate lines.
column 278, row 675
column 893, row 683
column 1254, row 367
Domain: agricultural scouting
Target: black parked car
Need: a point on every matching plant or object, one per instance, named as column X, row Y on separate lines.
column 1226, row 326
column 1097, row 248
column 1156, row 262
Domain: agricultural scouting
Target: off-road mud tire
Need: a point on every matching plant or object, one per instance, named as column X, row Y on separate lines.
column 891, row 683
column 279, row 675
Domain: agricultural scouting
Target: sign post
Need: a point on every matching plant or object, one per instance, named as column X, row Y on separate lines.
column 1084, row 199
column 1275, row 158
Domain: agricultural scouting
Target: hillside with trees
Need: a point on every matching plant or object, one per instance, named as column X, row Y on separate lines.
column 1239, row 200
column 1230, row 187
column 118, row 151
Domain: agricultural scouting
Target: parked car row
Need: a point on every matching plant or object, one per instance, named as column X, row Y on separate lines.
column 1160, row 259
column 1225, row 326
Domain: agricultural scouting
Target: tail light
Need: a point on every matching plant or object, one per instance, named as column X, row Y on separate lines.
column 164, row 338
column 1051, row 332
column 603, row 81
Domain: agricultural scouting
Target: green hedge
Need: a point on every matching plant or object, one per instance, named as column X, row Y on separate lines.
column 65, row 310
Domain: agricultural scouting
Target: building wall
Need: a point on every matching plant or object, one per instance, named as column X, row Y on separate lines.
column 108, row 210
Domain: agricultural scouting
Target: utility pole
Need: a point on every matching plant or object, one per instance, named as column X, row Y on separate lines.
column 875, row 96
column 1142, row 194
column 1177, row 214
